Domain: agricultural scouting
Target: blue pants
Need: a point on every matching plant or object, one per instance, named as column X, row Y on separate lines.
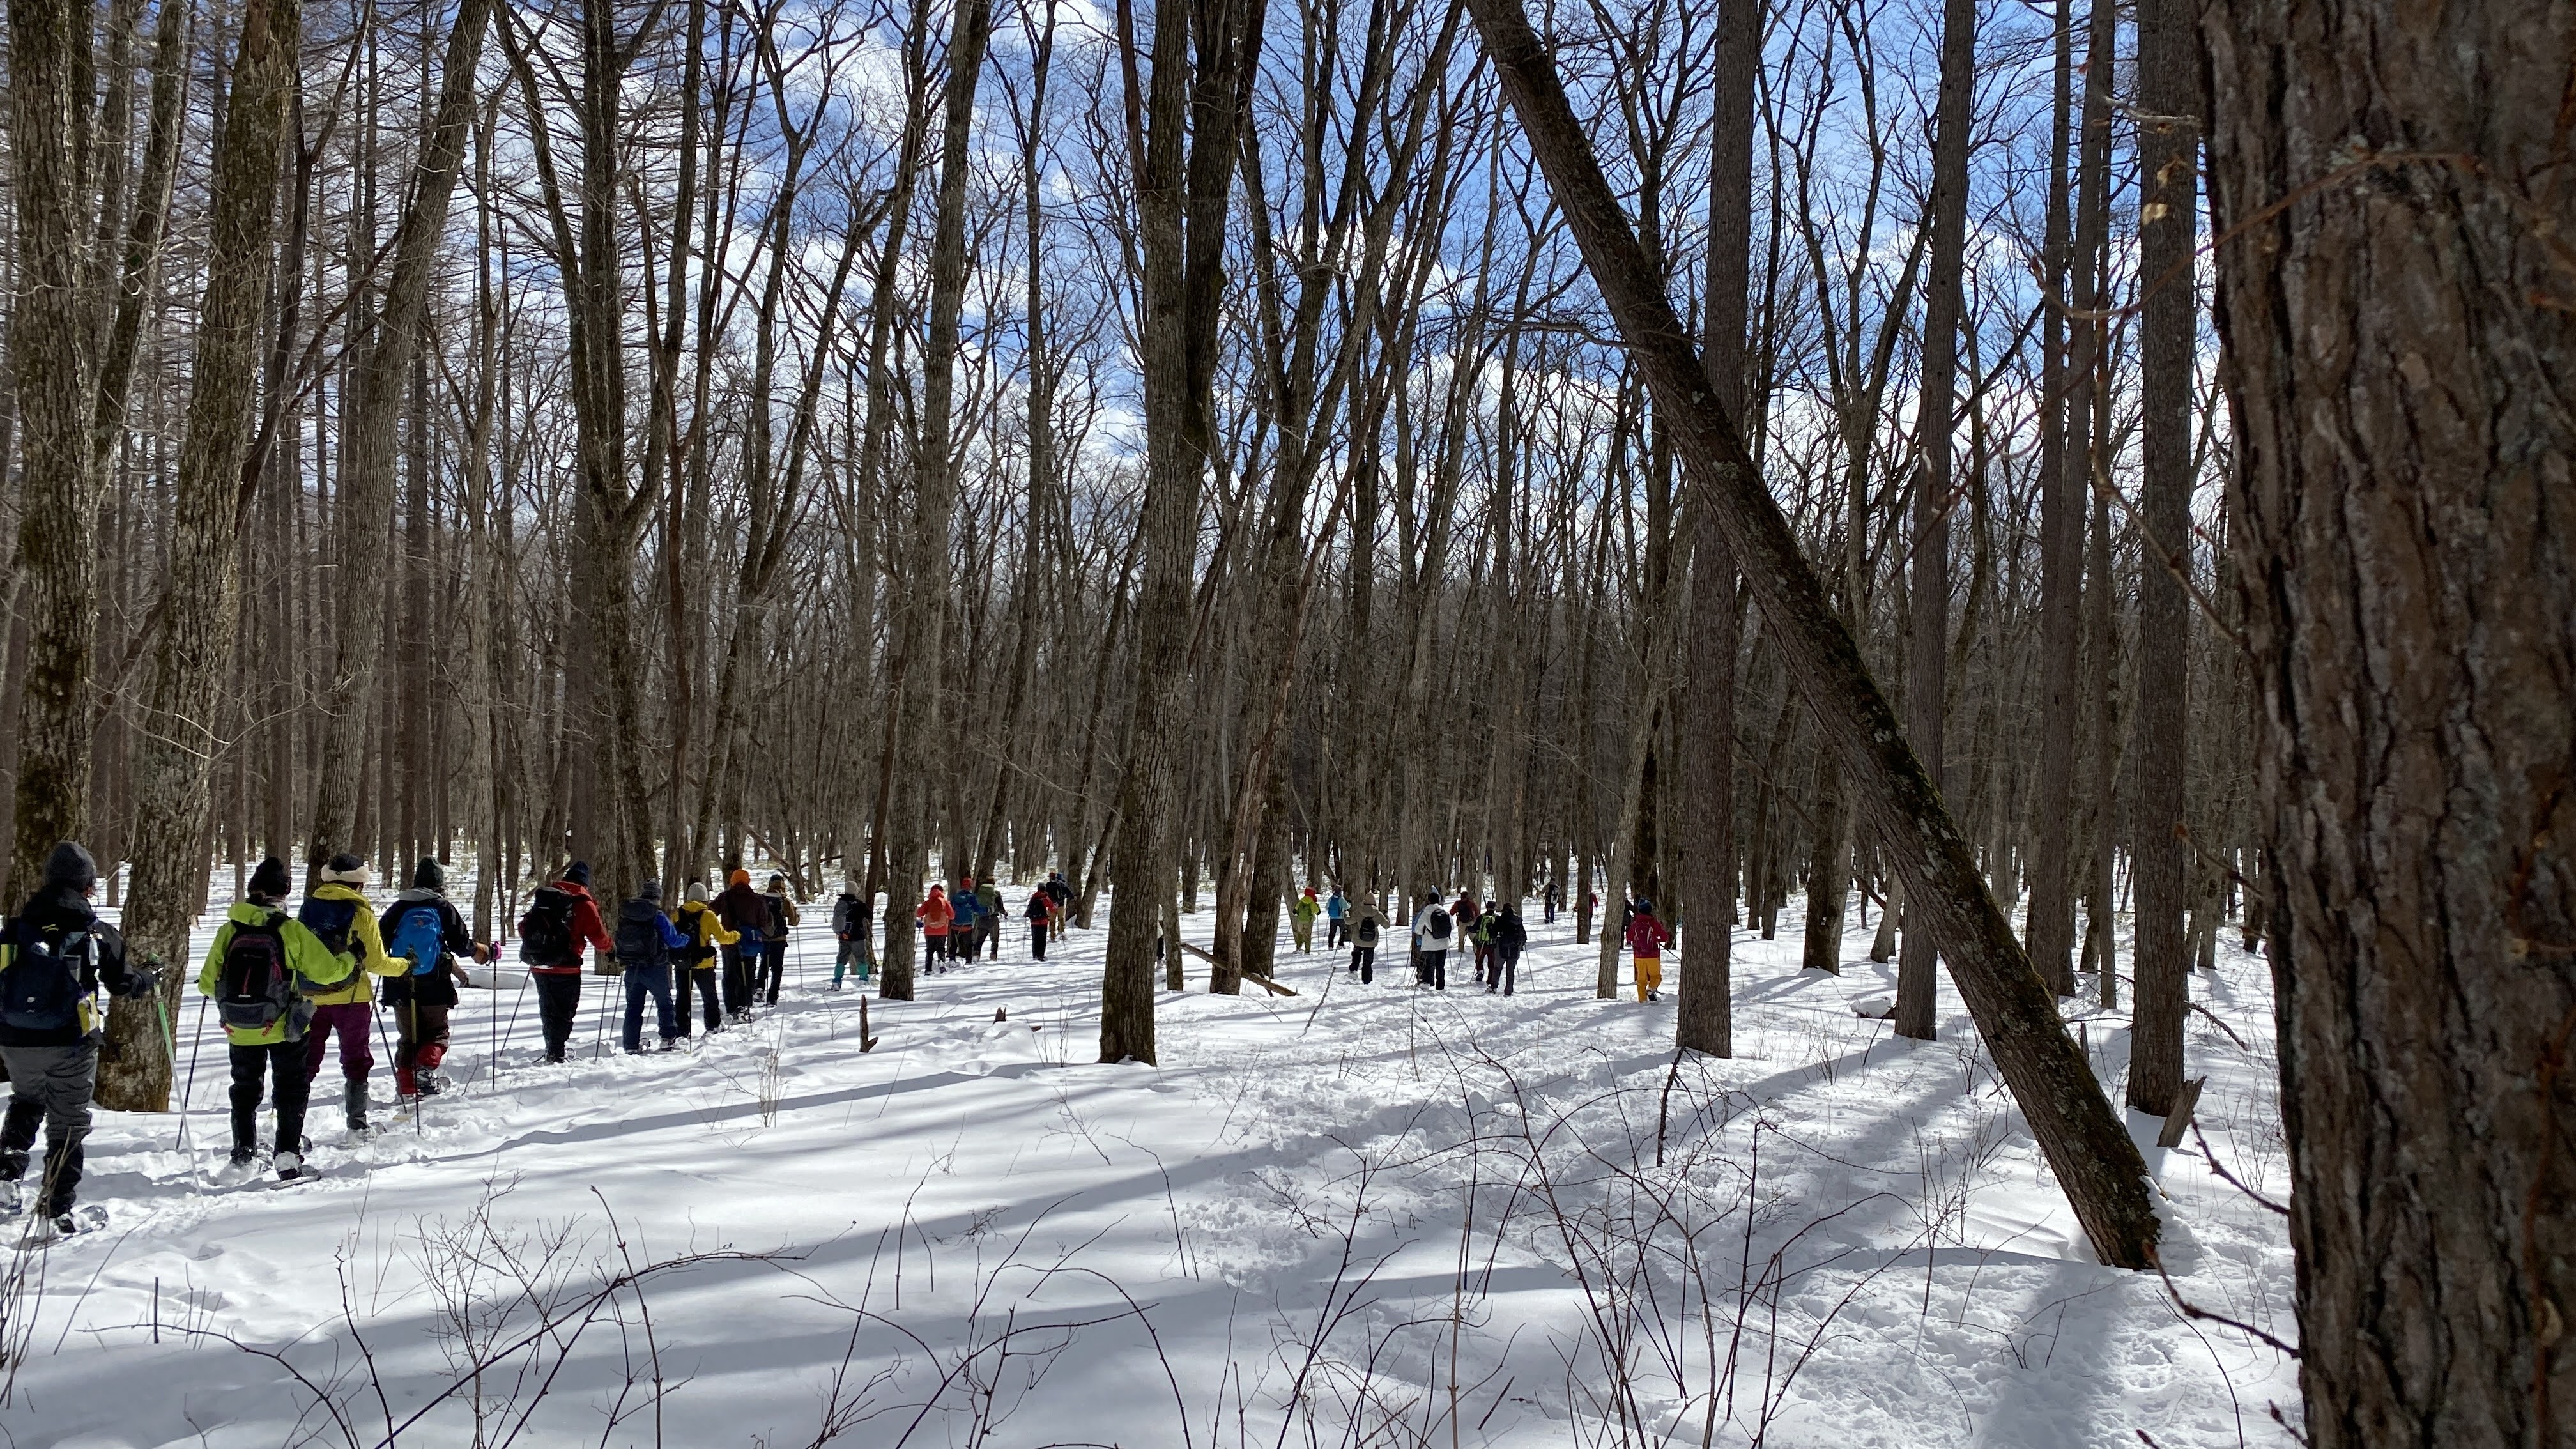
column 657, row 981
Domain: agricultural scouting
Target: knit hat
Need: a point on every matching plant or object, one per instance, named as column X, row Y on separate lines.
column 270, row 881
column 578, row 873
column 429, row 875
column 695, row 895
column 739, row 877
column 650, row 890
column 849, row 887
column 344, row 869
column 70, row 865
column 776, row 879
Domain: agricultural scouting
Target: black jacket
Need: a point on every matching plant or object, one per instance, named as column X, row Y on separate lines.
column 437, row 987
column 1509, row 933
column 53, row 912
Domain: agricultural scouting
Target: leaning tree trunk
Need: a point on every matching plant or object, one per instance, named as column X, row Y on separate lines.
column 2085, row 1143
column 201, row 599
column 2398, row 329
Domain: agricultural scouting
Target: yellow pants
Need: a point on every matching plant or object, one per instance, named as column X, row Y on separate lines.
column 1650, row 975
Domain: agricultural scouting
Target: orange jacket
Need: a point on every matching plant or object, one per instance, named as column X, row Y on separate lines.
column 935, row 913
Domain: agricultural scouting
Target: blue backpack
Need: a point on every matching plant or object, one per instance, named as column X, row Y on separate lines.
column 40, row 982
column 418, row 937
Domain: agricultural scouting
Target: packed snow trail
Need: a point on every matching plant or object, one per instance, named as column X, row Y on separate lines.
column 1362, row 1214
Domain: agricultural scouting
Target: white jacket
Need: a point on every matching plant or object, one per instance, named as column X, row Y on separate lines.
column 1423, row 940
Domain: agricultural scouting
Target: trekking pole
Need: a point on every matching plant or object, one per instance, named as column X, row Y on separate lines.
column 389, row 1050
column 516, row 1002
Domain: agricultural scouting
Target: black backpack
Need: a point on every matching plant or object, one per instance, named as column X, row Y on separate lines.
column 331, row 920
column 1439, row 924
column 41, row 982
column 639, row 936
column 255, row 987
column 545, row 932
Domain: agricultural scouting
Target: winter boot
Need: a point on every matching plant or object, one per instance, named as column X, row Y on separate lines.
column 354, row 1100
column 290, row 1166
column 431, row 1083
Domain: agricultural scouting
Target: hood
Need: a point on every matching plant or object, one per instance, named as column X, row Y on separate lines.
column 245, row 913
column 638, row 909
column 417, row 894
column 336, row 891
column 574, row 889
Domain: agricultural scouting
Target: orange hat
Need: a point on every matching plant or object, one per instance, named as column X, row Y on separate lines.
column 739, row 877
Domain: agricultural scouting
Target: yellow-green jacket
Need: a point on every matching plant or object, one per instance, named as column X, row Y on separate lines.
column 305, row 953
column 366, row 956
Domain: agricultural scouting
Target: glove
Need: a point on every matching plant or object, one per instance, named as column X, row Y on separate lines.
column 140, row 982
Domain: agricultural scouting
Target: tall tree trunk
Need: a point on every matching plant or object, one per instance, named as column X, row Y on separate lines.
column 2050, row 926
column 2168, row 341
column 2085, row 1143
column 54, row 364
column 923, row 617
column 377, row 376
column 1705, row 1019
column 1199, row 91
column 201, row 600
column 1928, row 618
column 2397, row 335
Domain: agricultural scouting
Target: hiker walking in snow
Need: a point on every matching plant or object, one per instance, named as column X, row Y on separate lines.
column 54, row 954
column 850, row 925
column 1301, row 919
column 1336, row 919
column 1508, row 937
column 1364, row 946
column 1432, row 935
column 1551, row 900
column 1038, row 913
column 1059, row 894
column 425, row 935
column 336, row 911
column 988, row 901
column 562, row 919
column 261, row 971
column 1647, row 938
column 697, row 967
column 773, row 938
column 1481, row 936
column 647, row 943
column 934, row 916
column 745, row 912
column 965, row 925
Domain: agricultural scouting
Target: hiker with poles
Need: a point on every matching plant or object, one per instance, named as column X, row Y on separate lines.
column 336, row 911
column 54, row 955
column 263, row 971
column 426, row 935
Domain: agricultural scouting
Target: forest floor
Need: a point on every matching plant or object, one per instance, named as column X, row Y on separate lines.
column 1363, row 1214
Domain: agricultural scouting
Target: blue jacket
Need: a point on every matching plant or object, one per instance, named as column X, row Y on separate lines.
column 969, row 910
column 1335, row 907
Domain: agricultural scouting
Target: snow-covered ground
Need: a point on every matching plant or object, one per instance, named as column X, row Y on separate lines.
column 1364, row 1214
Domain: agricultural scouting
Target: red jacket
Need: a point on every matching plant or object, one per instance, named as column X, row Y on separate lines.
column 1646, row 935
column 586, row 926
column 935, row 914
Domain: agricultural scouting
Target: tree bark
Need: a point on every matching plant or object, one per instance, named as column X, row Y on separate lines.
column 54, row 364
column 2397, row 331
column 201, row 600
column 2085, row 1143
column 2168, row 341
column 374, row 396
column 2050, row 927
column 1928, row 617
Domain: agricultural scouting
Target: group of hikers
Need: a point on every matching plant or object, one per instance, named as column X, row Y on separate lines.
column 287, row 988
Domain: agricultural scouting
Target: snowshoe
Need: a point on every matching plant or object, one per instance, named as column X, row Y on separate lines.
column 291, row 1168
column 430, row 1083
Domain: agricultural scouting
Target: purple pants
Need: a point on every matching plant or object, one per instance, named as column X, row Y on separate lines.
column 348, row 1020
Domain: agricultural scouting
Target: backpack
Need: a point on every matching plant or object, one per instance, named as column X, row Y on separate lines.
column 40, row 986
column 1439, row 924
column 330, row 920
column 419, row 937
column 639, row 937
column 545, row 932
column 256, row 988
